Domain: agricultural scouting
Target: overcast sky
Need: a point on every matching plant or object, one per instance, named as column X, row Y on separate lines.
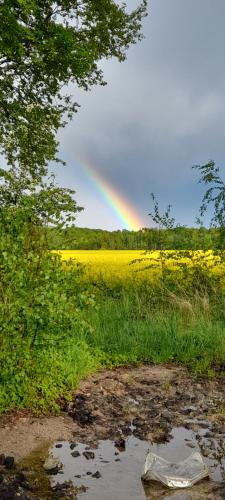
column 162, row 111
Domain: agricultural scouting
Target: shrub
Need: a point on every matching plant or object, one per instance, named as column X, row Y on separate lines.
column 40, row 321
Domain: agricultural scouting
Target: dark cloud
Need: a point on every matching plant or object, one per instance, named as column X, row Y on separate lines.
column 162, row 111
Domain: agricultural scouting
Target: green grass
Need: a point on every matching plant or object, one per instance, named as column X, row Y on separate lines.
column 126, row 332
column 114, row 328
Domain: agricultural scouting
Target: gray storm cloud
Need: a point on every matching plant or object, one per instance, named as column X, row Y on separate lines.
column 162, row 111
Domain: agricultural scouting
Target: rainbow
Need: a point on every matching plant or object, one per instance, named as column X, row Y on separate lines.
column 121, row 207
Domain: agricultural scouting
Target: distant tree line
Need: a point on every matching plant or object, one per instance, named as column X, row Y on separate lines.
column 178, row 238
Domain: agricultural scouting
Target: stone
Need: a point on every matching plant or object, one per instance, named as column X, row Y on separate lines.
column 9, row 462
column 73, row 445
column 75, row 454
column 97, row 475
column 52, row 465
column 89, row 455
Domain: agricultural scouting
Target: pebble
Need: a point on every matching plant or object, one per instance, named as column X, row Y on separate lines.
column 167, row 415
column 89, row 455
column 75, row 454
column 97, row 475
column 120, row 443
column 187, row 410
column 190, row 445
column 52, row 465
column 9, row 463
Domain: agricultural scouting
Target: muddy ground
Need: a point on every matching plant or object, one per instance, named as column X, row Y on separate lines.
column 148, row 401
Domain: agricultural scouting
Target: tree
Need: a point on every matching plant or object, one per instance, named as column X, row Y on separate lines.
column 44, row 46
column 214, row 197
column 43, row 201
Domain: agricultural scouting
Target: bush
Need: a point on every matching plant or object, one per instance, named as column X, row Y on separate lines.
column 40, row 322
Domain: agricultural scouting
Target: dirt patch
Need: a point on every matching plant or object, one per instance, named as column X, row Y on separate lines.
column 147, row 401
column 152, row 399
column 21, row 435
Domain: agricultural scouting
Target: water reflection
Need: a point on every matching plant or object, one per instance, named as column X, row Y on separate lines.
column 115, row 474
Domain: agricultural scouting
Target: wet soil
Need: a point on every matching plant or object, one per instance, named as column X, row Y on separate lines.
column 145, row 402
column 154, row 398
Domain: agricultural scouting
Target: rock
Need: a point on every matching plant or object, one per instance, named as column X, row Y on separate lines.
column 2, row 459
column 64, row 486
column 64, row 490
column 205, row 452
column 167, row 415
column 89, row 455
column 97, row 475
column 190, row 445
column 208, row 435
column 52, row 465
column 170, row 403
column 120, row 443
column 9, row 462
column 75, row 454
column 153, row 413
column 205, row 425
column 187, row 410
column 73, row 445
column 58, row 445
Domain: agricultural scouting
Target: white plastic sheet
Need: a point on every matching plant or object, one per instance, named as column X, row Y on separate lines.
column 175, row 475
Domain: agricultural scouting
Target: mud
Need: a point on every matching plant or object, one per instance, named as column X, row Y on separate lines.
column 144, row 403
column 153, row 399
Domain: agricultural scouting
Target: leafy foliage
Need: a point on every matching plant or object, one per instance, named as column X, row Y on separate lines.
column 44, row 46
column 43, row 201
column 215, row 193
column 214, row 197
column 162, row 220
column 39, row 312
column 178, row 238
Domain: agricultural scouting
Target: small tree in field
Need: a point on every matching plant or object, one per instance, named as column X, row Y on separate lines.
column 214, row 197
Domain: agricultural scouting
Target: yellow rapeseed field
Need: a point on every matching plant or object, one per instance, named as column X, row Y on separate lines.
column 133, row 265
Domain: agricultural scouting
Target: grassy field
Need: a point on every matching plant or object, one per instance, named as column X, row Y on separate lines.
column 166, row 307
column 95, row 309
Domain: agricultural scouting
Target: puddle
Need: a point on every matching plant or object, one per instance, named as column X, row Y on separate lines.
column 115, row 472
column 120, row 471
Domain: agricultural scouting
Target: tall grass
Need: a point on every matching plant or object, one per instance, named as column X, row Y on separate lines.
column 185, row 330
